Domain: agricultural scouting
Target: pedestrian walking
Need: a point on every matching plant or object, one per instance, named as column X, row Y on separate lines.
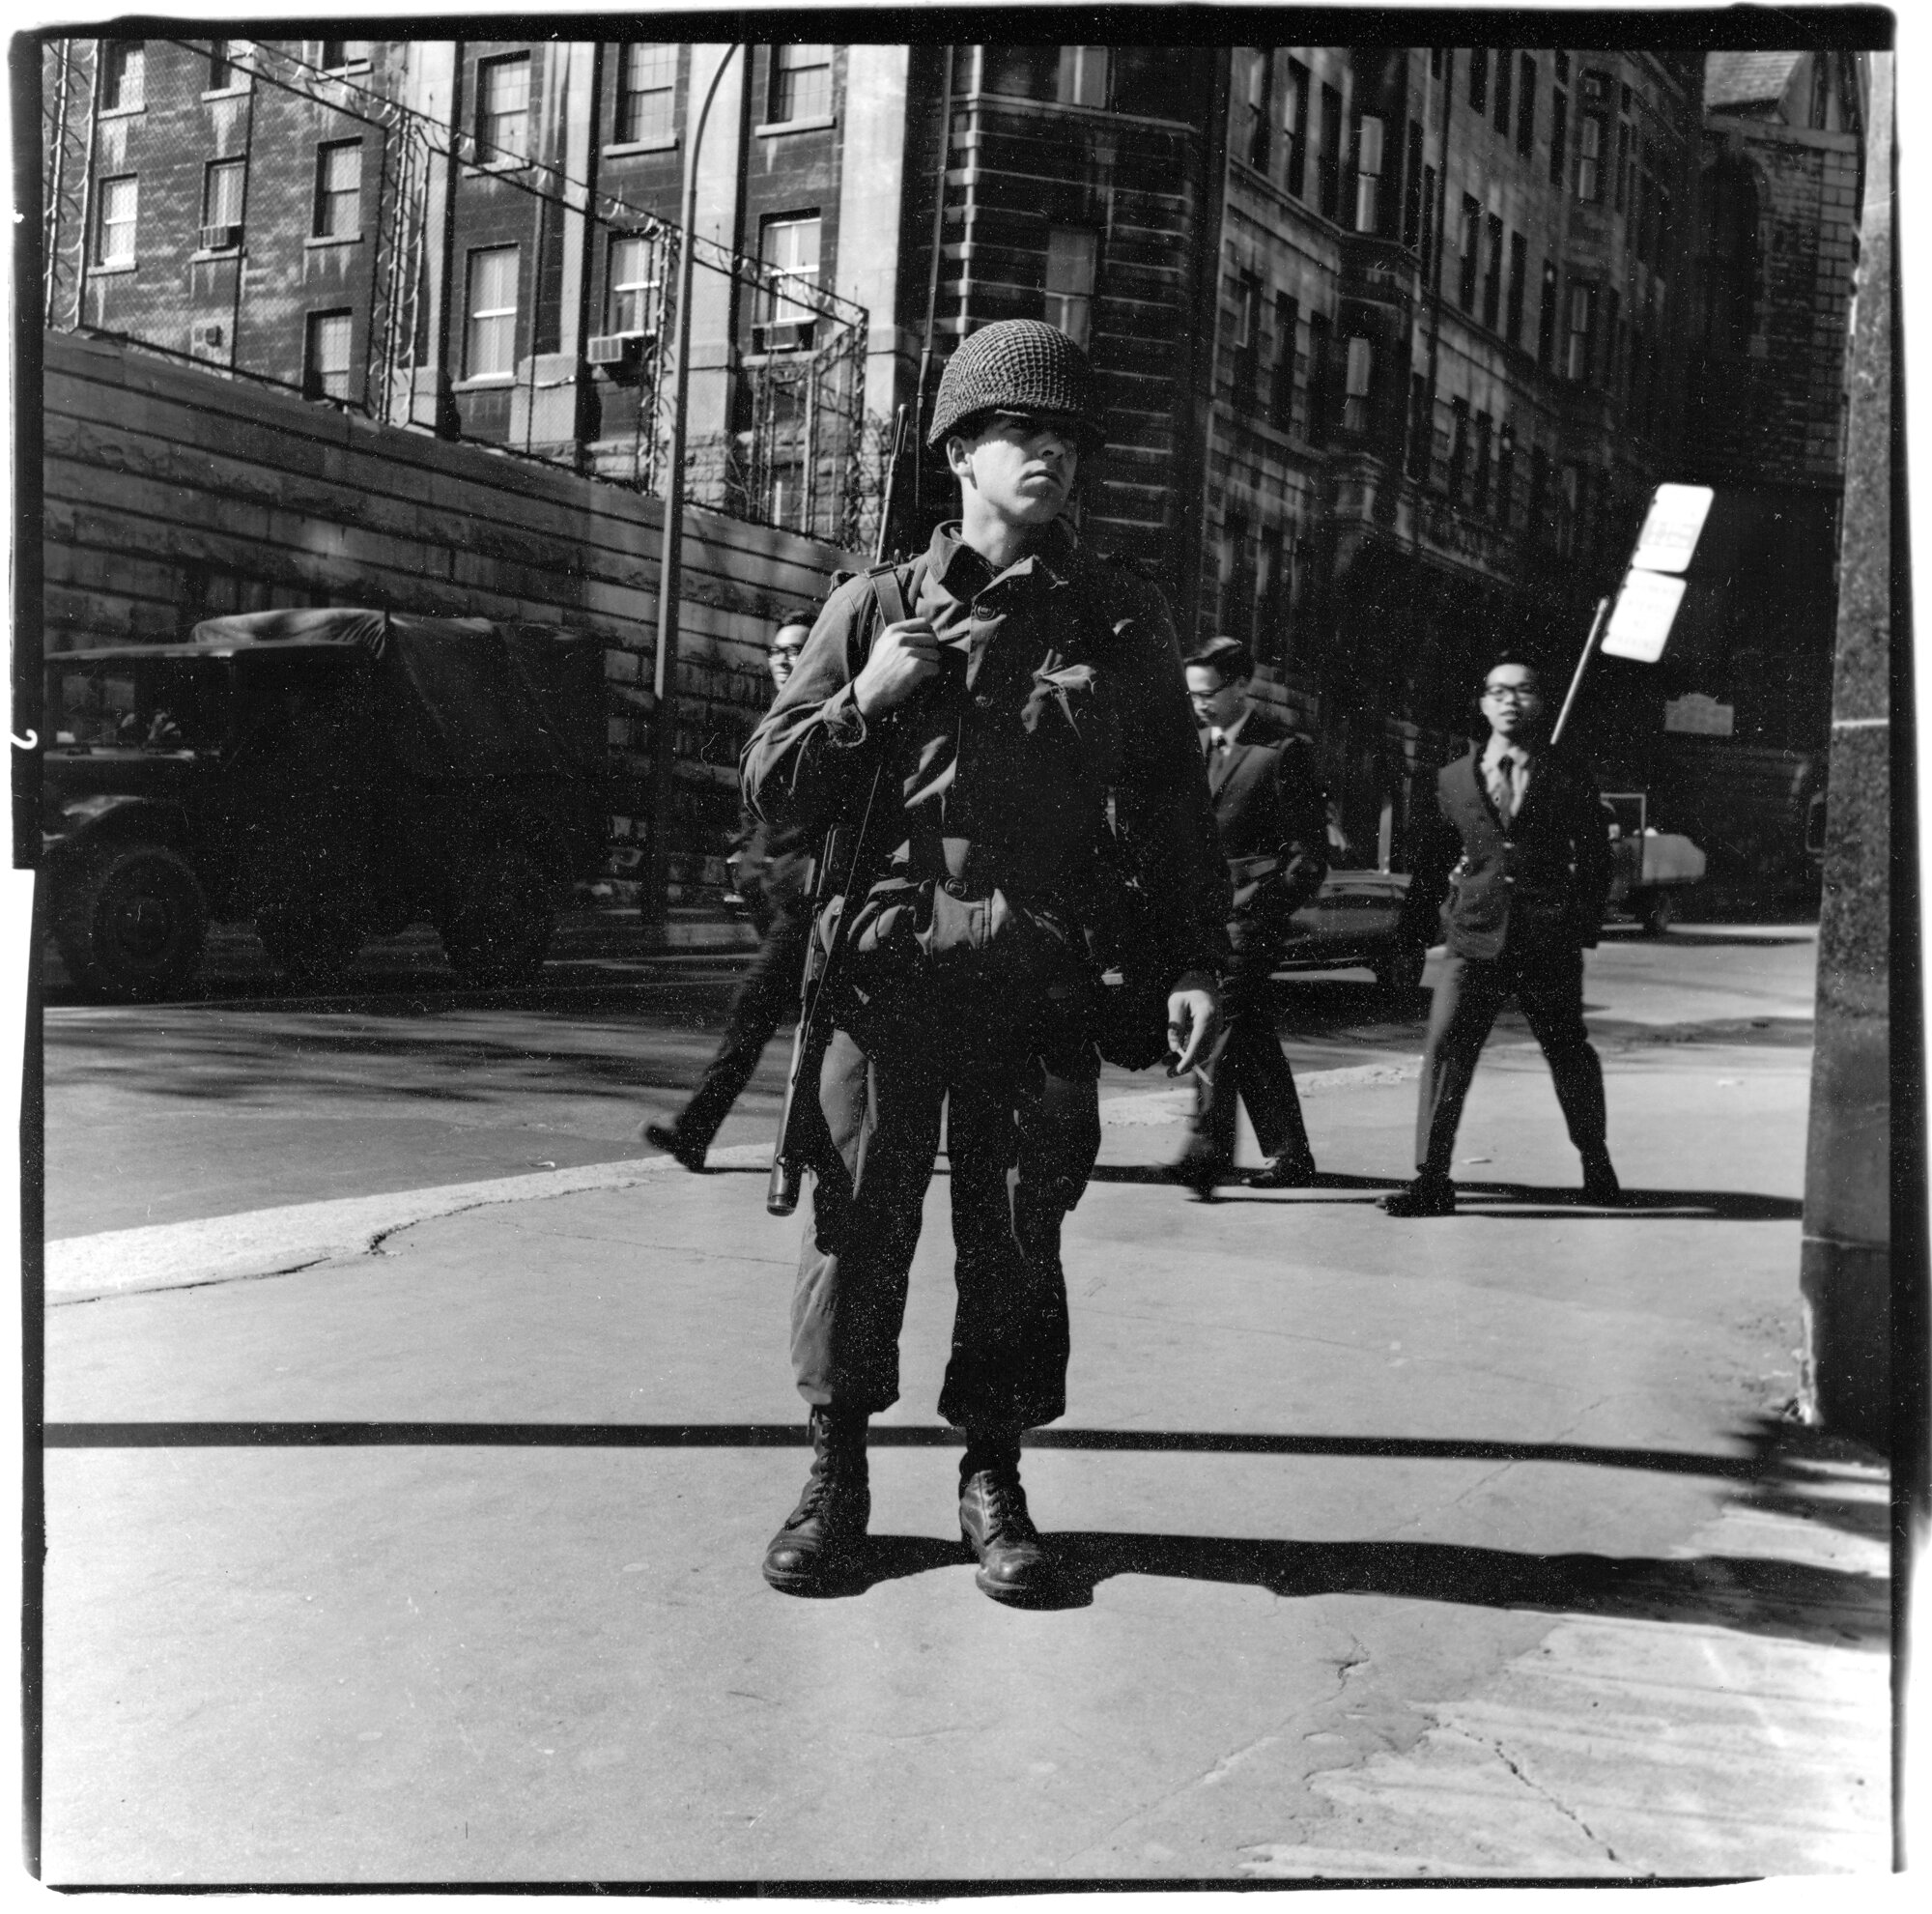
column 771, row 870
column 1025, row 690
column 1273, row 827
column 1514, row 857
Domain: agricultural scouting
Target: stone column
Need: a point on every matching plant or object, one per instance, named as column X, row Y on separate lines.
column 1845, row 1276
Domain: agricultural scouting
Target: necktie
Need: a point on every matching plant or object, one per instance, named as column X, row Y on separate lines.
column 1502, row 785
column 1217, row 741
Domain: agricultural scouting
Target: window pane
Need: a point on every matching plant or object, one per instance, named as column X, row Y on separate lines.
column 123, row 73
column 1082, row 79
column 1024, row 73
column 328, row 370
column 502, row 108
column 647, row 92
column 791, row 250
column 490, row 344
column 221, row 194
column 631, row 300
column 339, row 53
column 338, row 200
column 120, row 200
column 802, row 83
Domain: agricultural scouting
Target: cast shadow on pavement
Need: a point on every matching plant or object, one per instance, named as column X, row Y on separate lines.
column 1760, row 1596
column 1507, row 1200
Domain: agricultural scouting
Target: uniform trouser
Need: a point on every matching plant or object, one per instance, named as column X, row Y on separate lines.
column 766, row 999
column 1549, row 989
column 1247, row 1065
column 1022, row 1133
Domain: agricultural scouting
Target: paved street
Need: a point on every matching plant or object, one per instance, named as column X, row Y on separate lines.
column 415, row 1436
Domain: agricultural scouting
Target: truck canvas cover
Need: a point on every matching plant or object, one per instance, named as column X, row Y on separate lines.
column 459, row 699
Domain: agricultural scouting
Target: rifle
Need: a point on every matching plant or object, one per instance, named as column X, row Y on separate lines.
column 809, row 1039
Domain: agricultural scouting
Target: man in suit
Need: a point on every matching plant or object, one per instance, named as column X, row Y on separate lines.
column 771, row 870
column 1273, row 830
column 1514, row 857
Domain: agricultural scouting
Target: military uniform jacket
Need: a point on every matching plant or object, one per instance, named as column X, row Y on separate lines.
column 1536, row 881
column 1059, row 700
column 1272, row 824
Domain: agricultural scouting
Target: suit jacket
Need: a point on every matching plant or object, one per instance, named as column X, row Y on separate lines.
column 1534, row 881
column 1272, row 823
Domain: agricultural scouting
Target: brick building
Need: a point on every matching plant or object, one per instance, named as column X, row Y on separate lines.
column 1392, row 341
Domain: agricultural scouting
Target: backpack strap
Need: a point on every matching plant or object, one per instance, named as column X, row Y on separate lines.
column 890, row 591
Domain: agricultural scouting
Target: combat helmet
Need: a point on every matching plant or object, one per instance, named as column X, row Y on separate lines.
column 1016, row 365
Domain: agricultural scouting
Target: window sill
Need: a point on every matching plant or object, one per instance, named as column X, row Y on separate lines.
column 485, row 381
column 817, row 123
column 103, row 268
column 121, row 112
column 350, row 67
column 316, row 240
column 622, row 149
column 202, row 255
column 225, row 93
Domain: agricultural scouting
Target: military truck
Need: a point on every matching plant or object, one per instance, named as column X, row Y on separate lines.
column 330, row 776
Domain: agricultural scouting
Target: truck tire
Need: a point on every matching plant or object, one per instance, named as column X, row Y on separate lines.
column 128, row 920
column 313, row 949
column 497, row 930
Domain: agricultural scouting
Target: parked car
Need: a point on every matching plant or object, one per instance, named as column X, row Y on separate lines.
column 1649, row 868
column 1350, row 924
column 328, row 775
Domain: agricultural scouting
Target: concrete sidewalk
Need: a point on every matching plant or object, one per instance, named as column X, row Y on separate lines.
column 1470, row 1548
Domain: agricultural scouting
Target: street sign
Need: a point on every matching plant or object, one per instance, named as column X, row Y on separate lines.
column 1671, row 529
column 1642, row 622
column 1701, row 714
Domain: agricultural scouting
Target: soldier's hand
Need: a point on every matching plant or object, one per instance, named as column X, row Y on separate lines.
column 905, row 658
column 1193, row 1016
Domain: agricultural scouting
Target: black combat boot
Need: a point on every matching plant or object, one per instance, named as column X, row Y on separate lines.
column 820, row 1543
column 1014, row 1566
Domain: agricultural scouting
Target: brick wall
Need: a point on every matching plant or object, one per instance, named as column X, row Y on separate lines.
column 170, row 493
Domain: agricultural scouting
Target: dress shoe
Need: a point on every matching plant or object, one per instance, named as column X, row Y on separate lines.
column 1426, row 1196
column 1014, row 1564
column 688, row 1150
column 1200, row 1173
column 819, row 1544
column 1287, row 1170
column 1600, row 1186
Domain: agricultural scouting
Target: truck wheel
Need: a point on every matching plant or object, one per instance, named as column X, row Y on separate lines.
column 129, row 921
column 1398, row 976
column 1657, row 912
column 313, row 949
column 499, row 929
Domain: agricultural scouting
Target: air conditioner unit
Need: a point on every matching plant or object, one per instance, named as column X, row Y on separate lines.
column 220, row 239
column 783, row 336
column 208, row 339
column 616, row 348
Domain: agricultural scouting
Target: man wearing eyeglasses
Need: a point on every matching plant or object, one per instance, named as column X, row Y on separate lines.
column 1022, row 717
column 1514, row 857
column 771, row 873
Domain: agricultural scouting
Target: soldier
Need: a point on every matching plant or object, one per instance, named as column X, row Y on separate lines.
column 771, row 869
column 1514, row 856
column 1021, row 685
column 1269, row 812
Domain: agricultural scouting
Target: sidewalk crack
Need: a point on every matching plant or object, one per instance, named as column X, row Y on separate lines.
column 1530, row 1781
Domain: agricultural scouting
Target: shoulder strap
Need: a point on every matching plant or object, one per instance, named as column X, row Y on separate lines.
column 888, row 594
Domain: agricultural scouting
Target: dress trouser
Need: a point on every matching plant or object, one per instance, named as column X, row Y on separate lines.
column 766, row 1000
column 1023, row 1130
column 1247, row 1063
column 1549, row 986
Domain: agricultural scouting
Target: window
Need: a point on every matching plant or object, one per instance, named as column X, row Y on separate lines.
column 1559, row 134
column 1506, row 478
column 1369, row 175
column 1539, row 494
column 1281, row 393
column 1481, row 500
column 647, row 92
column 221, row 187
column 1020, row 73
column 1820, row 116
column 1268, row 636
column 1356, row 384
column 338, row 190
column 1328, row 165
column 1582, row 317
column 1731, row 258
column 1505, row 74
column 1466, row 288
column 1546, row 318
column 339, row 55
column 1257, row 146
column 631, row 304
column 1518, row 272
column 1623, row 164
column 1082, row 80
column 1428, row 248
column 1319, row 377
column 325, row 357
column 1492, row 273
column 1238, row 578
column 1525, row 106
column 503, row 110
column 1412, row 196
column 1479, row 78
column 223, row 74
column 1071, row 252
column 1562, row 69
column 1420, row 424
column 800, row 83
column 114, row 225
column 788, row 250
column 1294, row 122
column 1590, row 157
column 124, row 67
column 1459, row 449
column 490, row 342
